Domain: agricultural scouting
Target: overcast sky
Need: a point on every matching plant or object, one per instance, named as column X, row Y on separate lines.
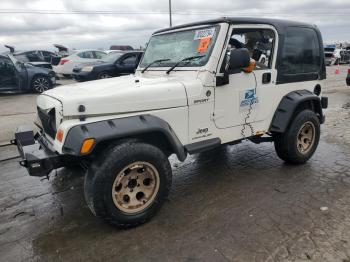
column 141, row 17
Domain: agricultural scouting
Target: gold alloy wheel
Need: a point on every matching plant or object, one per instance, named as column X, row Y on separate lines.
column 306, row 137
column 135, row 187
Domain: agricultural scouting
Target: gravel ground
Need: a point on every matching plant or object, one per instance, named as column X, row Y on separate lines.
column 236, row 203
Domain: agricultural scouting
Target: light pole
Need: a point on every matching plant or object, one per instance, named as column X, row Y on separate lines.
column 170, row 19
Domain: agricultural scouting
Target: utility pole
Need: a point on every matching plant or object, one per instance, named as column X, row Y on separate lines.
column 170, row 19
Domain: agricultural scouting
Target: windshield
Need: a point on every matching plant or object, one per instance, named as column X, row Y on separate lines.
column 111, row 57
column 179, row 45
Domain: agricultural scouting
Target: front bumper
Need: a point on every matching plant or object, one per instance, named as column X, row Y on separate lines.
column 37, row 154
column 84, row 76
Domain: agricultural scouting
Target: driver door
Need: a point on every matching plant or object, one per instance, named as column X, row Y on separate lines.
column 8, row 75
column 245, row 98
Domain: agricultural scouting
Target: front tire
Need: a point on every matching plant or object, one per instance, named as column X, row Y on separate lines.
column 299, row 142
column 103, row 75
column 128, row 184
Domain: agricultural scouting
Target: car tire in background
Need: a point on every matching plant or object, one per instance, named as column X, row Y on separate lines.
column 40, row 84
column 103, row 75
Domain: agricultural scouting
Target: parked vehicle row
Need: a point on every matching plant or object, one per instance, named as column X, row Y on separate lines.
column 82, row 65
column 336, row 56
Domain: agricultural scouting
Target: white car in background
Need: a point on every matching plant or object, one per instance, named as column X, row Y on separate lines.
column 67, row 64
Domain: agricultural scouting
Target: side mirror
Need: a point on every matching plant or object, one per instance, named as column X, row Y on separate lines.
column 239, row 58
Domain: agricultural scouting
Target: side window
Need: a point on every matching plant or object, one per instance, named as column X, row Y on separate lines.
column 99, row 55
column 33, row 56
column 130, row 60
column 86, row 54
column 259, row 42
column 301, row 52
column 7, row 69
column 47, row 56
column 22, row 57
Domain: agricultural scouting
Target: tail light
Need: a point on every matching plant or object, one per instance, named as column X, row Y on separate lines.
column 63, row 61
column 348, row 71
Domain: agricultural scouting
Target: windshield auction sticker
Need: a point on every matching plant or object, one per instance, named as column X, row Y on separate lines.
column 204, row 33
column 203, row 44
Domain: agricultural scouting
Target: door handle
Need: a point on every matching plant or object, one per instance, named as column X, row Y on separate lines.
column 266, row 78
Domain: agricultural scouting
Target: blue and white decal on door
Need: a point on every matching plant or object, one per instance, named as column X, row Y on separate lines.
column 247, row 98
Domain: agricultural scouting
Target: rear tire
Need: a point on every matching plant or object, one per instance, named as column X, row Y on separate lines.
column 299, row 142
column 128, row 184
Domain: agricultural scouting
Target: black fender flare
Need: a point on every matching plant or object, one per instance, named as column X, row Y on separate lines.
column 289, row 104
column 113, row 129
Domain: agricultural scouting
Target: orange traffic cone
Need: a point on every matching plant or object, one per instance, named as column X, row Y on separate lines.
column 337, row 71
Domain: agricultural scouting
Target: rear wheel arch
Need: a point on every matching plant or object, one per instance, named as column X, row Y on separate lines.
column 292, row 104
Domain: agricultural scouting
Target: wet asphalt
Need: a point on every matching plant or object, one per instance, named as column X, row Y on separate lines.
column 235, row 203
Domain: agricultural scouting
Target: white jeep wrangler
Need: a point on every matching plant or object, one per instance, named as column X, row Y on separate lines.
column 198, row 86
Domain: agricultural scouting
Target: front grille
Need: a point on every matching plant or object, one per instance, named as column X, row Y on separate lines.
column 48, row 121
column 76, row 70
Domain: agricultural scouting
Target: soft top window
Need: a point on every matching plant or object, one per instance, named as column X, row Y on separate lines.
column 301, row 52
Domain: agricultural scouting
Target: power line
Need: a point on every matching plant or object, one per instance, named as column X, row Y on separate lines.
column 343, row 12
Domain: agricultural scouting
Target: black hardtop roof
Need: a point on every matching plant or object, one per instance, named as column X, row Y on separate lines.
column 279, row 24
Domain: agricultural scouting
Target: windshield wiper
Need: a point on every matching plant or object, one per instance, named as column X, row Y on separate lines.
column 152, row 63
column 183, row 60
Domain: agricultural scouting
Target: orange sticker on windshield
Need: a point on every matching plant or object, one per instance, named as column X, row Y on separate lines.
column 203, row 44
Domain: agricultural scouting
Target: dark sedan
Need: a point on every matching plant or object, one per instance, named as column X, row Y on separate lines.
column 114, row 64
column 18, row 76
column 39, row 58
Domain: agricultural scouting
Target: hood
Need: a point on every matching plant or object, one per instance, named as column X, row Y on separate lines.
column 124, row 94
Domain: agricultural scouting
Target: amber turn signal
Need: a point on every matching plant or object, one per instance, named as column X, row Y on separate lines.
column 59, row 135
column 87, row 145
